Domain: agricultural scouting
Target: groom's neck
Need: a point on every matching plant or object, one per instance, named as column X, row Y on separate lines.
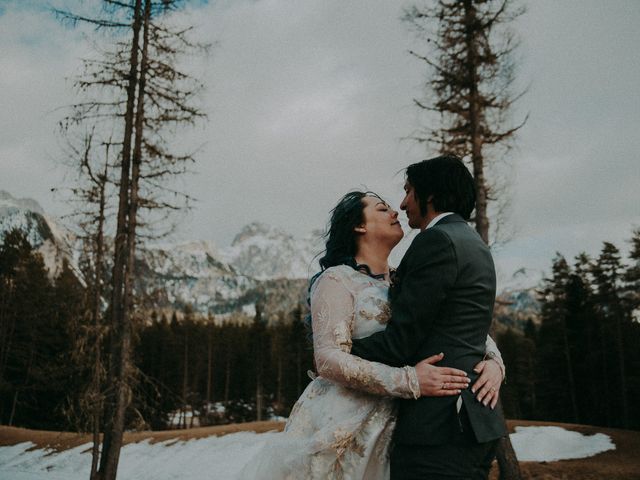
column 431, row 214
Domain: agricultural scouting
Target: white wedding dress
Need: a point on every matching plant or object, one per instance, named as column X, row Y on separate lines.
column 341, row 426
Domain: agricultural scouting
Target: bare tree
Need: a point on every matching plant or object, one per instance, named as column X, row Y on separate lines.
column 136, row 89
column 92, row 211
column 470, row 93
column 470, row 90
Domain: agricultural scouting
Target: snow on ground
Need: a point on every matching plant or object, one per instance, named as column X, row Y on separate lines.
column 547, row 444
column 206, row 458
column 222, row 457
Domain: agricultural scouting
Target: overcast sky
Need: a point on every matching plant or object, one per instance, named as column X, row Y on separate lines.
column 308, row 99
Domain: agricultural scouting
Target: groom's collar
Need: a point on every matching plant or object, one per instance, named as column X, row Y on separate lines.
column 436, row 219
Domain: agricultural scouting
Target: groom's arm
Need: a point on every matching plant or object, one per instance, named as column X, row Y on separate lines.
column 430, row 271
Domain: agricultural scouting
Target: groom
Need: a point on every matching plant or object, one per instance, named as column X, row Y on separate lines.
column 441, row 301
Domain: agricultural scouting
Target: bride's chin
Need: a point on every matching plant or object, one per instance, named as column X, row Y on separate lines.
column 397, row 240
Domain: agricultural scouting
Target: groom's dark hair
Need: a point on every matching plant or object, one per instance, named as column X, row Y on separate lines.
column 447, row 180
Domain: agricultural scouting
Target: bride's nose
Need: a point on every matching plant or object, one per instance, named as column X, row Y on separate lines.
column 394, row 214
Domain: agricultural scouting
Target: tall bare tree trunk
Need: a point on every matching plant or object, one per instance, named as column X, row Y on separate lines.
column 605, row 375
column 185, row 374
column 570, row 377
column 227, row 376
column 481, row 218
column 621, row 369
column 120, row 331
column 209, row 365
column 97, row 323
column 279, row 386
column 259, row 380
column 298, row 370
column 507, row 460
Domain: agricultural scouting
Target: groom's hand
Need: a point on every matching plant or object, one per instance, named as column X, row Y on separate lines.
column 439, row 381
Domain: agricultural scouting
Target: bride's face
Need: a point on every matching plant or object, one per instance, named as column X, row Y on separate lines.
column 380, row 222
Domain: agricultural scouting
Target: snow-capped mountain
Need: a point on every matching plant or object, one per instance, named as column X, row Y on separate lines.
column 51, row 239
column 264, row 266
column 268, row 253
column 174, row 276
column 517, row 302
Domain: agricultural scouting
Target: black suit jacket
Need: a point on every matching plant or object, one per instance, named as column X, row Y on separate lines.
column 441, row 301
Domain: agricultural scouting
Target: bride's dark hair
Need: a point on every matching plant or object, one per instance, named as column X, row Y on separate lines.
column 341, row 245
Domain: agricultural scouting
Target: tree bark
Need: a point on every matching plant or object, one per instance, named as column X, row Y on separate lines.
column 509, row 467
column 97, row 324
column 507, row 460
column 570, row 376
column 621, row 368
column 209, row 365
column 185, row 374
column 481, row 218
column 120, row 335
column 227, row 375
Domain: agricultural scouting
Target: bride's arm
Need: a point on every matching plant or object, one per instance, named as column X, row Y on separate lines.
column 493, row 353
column 332, row 316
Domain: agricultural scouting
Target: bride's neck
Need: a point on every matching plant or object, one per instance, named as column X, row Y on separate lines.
column 375, row 258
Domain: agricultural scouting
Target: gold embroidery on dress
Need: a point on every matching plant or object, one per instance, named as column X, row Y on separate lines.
column 380, row 313
column 343, row 440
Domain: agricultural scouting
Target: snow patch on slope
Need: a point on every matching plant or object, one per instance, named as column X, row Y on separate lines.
column 548, row 444
column 223, row 457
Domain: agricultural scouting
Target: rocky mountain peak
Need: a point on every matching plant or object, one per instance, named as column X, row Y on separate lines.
column 258, row 231
column 8, row 201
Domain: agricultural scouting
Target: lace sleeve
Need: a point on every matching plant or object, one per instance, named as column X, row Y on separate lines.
column 492, row 352
column 332, row 313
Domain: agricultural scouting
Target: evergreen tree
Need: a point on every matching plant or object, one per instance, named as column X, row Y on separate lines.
column 258, row 351
column 632, row 334
column 518, row 353
column 632, row 278
column 36, row 318
column 583, row 326
column 556, row 369
column 614, row 321
column 26, row 305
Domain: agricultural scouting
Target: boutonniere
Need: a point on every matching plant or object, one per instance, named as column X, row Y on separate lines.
column 393, row 277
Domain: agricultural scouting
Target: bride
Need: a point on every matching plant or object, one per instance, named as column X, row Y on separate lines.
column 342, row 424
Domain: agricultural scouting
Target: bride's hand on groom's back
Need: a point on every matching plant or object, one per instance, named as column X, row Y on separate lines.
column 439, row 381
column 487, row 386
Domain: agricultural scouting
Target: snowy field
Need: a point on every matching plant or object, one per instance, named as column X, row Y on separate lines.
column 222, row 457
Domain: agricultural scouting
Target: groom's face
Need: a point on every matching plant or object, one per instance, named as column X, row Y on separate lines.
column 411, row 207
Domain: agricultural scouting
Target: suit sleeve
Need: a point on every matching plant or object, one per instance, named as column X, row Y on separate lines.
column 429, row 273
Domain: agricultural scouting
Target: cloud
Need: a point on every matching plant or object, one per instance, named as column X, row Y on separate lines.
column 308, row 99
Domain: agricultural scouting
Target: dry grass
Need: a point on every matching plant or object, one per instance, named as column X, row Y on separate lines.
column 621, row 463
